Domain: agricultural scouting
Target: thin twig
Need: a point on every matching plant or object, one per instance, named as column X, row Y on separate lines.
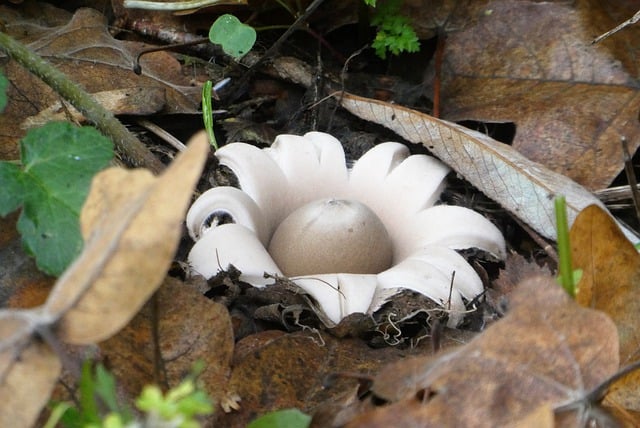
column 129, row 146
column 274, row 48
column 635, row 18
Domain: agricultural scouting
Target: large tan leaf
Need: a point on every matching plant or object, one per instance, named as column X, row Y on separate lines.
column 523, row 187
column 546, row 351
column 532, row 63
column 136, row 225
column 611, row 283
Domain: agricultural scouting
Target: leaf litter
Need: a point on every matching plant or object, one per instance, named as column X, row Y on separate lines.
column 568, row 388
column 562, row 351
column 127, row 254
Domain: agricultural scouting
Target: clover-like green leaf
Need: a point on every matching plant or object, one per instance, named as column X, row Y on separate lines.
column 235, row 37
column 58, row 162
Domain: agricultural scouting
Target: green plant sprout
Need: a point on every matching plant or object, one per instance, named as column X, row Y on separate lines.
column 394, row 35
column 178, row 408
column 207, row 113
column 568, row 278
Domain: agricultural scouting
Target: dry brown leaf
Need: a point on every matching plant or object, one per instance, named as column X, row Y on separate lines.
column 273, row 371
column 523, row 187
column 124, row 261
column 611, row 283
column 133, row 101
column 532, row 63
column 542, row 417
column 190, row 328
column 547, row 350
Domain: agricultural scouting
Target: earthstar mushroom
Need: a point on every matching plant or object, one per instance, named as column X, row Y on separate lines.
column 350, row 238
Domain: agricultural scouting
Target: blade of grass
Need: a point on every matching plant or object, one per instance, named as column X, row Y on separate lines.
column 564, row 247
column 207, row 113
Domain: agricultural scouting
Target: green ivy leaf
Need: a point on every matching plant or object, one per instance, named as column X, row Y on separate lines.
column 235, row 37
column 290, row 418
column 58, row 163
column 4, row 83
column 11, row 194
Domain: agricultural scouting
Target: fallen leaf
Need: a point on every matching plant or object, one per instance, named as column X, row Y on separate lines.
column 275, row 370
column 125, row 259
column 611, row 283
column 523, row 187
column 547, row 350
column 28, row 371
column 542, row 417
column 532, row 63
column 190, row 328
column 132, row 101
column 133, row 239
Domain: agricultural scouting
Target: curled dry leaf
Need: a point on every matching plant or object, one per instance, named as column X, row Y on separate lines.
column 547, row 350
column 523, row 187
column 133, row 238
column 132, row 227
column 611, row 283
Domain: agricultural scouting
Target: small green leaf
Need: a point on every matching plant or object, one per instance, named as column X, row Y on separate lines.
column 150, row 399
column 395, row 33
column 105, row 388
column 290, row 418
column 4, row 83
column 235, row 37
column 58, row 163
